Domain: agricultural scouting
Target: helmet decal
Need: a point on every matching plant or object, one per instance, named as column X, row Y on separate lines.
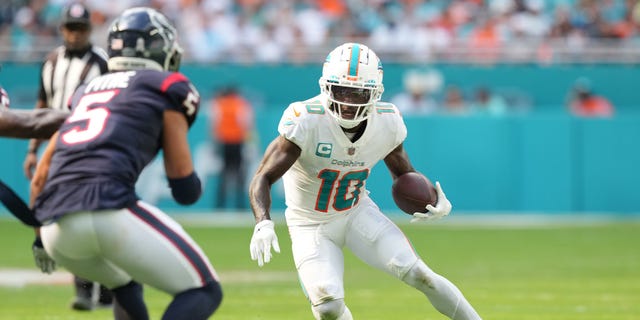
column 354, row 61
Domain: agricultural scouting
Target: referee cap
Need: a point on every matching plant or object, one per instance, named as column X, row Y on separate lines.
column 76, row 13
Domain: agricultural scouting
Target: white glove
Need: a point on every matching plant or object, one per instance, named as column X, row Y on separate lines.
column 442, row 208
column 264, row 237
column 42, row 259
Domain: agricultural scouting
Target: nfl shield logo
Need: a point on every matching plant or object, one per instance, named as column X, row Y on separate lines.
column 351, row 151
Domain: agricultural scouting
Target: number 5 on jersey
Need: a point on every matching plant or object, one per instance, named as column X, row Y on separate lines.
column 97, row 117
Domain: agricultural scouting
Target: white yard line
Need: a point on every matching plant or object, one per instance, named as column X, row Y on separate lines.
column 17, row 278
column 22, row 277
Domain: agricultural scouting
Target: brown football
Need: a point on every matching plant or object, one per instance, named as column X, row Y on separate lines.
column 412, row 192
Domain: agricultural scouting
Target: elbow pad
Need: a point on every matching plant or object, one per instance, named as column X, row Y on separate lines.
column 186, row 190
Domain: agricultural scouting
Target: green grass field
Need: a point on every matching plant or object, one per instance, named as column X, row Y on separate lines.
column 585, row 272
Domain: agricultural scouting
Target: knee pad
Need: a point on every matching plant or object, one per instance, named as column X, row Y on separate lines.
column 329, row 310
column 420, row 277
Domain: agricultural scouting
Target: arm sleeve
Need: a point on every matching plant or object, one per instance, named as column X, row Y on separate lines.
column 186, row 190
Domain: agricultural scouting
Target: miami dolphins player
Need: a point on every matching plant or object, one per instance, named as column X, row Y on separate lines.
column 324, row 153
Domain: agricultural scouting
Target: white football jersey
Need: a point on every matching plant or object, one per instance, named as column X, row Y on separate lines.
column 329, row 177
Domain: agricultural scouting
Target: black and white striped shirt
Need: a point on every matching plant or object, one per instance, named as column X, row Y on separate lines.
column 62, row 72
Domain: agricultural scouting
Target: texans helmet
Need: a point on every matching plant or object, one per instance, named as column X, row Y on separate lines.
column 143, row 38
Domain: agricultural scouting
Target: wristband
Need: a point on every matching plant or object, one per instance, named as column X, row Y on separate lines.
column 186, row 190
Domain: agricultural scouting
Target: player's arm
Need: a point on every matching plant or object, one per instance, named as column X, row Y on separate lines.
column 183, row 180
column 280, row 155
column 40, row 123
column 397, row 161
column 41, row 258
column 42, row 171
column 31, row 159
column 47, row 121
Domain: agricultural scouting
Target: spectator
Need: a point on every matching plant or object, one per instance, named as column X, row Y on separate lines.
column 231, row 124
column 487, row 103
column 585, row 103
column 416, row 98
column 418, row 30
column 454, row 102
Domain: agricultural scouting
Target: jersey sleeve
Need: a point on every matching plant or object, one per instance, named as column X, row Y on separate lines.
column 182, row 94
column 401, row 133
column 392, row 122
column 291, row 127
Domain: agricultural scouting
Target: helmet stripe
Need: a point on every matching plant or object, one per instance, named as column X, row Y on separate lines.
column 355, row 59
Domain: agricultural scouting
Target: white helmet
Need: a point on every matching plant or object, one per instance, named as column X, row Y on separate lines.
column 352, row 82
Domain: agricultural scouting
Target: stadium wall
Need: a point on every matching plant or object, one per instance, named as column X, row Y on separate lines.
column 543, row 161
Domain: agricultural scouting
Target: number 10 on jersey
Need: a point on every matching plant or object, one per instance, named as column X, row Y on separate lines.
column 342, row 190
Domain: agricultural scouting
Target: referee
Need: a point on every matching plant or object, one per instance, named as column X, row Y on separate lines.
column 66, row 67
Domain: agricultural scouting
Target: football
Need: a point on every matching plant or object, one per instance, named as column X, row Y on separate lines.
column 412, row 192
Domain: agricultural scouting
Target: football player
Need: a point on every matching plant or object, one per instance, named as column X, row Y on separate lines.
column 84, row 188
column 324, row 153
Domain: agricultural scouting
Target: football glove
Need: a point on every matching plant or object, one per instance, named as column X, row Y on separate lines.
column 42, row 259
column 442, row 208
column 263, row 239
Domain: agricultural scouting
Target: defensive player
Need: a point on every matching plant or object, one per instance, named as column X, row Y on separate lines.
column 326, row 149
column 65, row 67
column 93, row 223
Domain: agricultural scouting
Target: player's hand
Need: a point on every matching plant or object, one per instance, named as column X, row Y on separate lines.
column 42, row 259
column 442, row 208
column 263, row 239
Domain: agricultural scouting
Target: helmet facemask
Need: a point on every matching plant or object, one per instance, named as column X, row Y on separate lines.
column 352, row 83
column 349, row 105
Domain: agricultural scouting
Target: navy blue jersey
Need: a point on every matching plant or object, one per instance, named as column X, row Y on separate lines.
column 114, row 131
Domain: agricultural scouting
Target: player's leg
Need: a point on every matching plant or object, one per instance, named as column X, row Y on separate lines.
column 90, row 294
column 443, row 294
column 320, row 266
column 380, row 243
column 129, row 302
column 332, row 309
column 83, row 300
column 105, row 297
column 162, row 255
column 71, row 242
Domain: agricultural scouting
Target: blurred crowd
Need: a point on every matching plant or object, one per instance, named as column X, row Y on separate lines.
column 275, row 31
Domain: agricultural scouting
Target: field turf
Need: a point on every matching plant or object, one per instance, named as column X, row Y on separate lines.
column 557, row 271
